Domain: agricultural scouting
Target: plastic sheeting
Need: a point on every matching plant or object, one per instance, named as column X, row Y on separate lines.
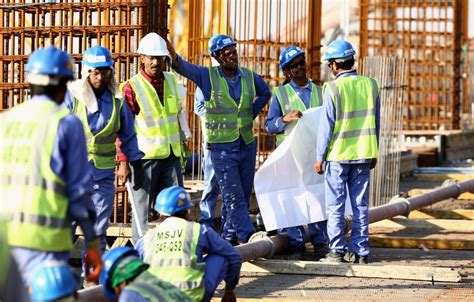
column 289, row 192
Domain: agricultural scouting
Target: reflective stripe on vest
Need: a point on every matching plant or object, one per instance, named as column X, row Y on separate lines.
column 38, row 217
column 170, row 249
column 225, row 121
column 157, row 124
column 154, row 289
column 101, row 146
column 289, row 100
column 355, row 135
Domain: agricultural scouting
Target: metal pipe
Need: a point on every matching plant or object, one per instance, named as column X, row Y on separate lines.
column 262, row 246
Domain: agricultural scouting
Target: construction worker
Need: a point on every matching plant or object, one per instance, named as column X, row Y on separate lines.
column 288, row 102
column 97, row 103
column 153, row 97
column 233, row 96
column 175, row 250
column 348, row 144
column 211, row 186
column 125, row 276
column 45, row 170
column 54, row 281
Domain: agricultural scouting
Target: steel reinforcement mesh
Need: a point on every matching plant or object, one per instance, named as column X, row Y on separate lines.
column 429, row 34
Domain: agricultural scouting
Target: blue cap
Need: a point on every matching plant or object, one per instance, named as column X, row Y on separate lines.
column 110, row 260
column 53, row 280
column 97, row 57
column 50, row 61
column 288, row 54
column 339, row 49
column 172, row 200
column 218, row 42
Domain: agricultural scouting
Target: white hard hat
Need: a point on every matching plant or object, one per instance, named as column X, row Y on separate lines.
column 153, row 45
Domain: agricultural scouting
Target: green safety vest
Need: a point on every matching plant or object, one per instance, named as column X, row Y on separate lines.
column 170, row 249
column 225, row 121
column 33, row 196
column 354, row 135
column 156, row 290
column 157, row 124
column 289, row 100
column 101, row 146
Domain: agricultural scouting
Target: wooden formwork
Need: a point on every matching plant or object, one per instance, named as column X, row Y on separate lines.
column 430, row 34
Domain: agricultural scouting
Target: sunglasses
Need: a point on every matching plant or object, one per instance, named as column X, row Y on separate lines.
column 297, row 64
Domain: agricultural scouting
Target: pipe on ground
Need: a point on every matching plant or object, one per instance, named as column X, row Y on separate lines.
column 262, row 246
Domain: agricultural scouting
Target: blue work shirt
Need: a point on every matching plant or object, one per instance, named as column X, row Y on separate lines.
column 68, row 161
column 274, row 122
column 211, row 243
column 327, row 121
column 200, row 76
column 127, row 135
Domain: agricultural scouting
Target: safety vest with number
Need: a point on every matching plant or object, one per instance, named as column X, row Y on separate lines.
column 170, row 249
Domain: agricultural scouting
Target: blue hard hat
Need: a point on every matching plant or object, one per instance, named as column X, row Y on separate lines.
column 50, row 61
column 97, row 57
column 172, row 200
column 110, row 260
column 288, row 54
column 52, row 281
column 339, row 49
column 218, row 42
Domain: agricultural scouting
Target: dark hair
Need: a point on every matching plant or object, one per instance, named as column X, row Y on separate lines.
column 49, row 90
column 346, row 65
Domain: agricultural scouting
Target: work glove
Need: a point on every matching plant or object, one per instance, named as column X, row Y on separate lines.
column 93, row 261
column 138, row 174
column 229, row 297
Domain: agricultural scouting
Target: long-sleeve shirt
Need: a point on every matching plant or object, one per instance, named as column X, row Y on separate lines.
column 200, row 76
column 98, row 120
column 212, row 244
column 69, row 162
column 274, row 122
column 328, row 120
column 199, row 108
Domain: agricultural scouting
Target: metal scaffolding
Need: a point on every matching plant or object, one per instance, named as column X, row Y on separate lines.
column 429, row 34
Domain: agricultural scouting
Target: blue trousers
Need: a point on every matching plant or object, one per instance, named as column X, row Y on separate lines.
column 317, row 234
column 210, row 192
column 234, row 165
column 216, row 269
column 357, row 179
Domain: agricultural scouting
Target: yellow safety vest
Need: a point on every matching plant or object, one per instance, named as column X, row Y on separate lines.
column 170, row 249
column 225, row 121
column 354, row 135
column 157, row 125
column 289, row 100
column 101, row 146
column 33, row 196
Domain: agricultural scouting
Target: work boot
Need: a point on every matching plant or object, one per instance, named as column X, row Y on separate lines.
column 320, row 250
column 356, row 259
column 333, row 257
